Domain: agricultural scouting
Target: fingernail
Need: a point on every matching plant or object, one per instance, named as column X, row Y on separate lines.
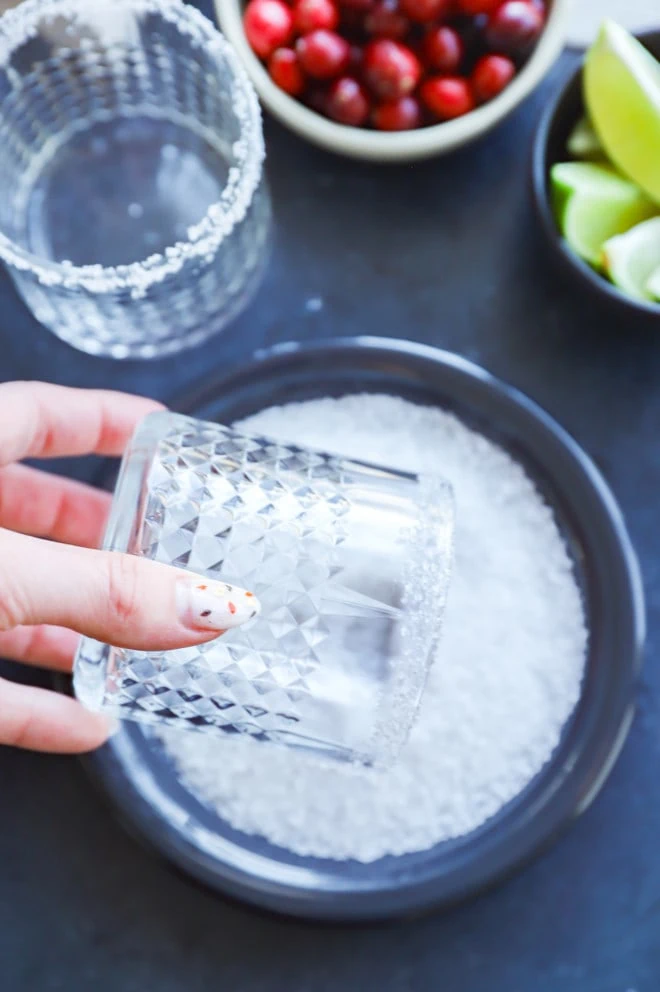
column 204, row 604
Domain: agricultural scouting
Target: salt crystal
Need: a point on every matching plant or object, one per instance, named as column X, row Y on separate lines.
column 505, row 681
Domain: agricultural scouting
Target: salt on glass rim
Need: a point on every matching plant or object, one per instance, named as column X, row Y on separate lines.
column 20, row 24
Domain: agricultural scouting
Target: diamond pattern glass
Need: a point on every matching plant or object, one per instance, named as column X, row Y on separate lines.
column 350, row 561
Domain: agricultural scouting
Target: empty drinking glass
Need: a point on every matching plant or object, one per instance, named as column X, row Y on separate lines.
column 350, row 562
column 134, row 219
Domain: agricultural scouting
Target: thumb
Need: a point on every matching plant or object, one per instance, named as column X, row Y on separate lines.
column 120, row 599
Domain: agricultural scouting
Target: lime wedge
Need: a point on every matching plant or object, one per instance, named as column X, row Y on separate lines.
column 592, row 203
column 653, row 285
column 632, row 258
column 622, row 93
column 583, row 142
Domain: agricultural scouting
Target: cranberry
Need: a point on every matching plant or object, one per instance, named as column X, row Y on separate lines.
column 310, row 15
column 490, row 76
column 398, row 115
column 268, row 25
column 359, row 5
column 425, row 10
column 323, row 54
column 447, row 96
column 390, row 69
column 285, row 71
column 443, row 50
column 473, row 7
column 514, row 27
column 387, row 21
column 347, row 102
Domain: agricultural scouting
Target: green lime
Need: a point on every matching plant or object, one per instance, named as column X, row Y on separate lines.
column 632, row 258
column 583, row 142
column 653, row 285
column 622, row 94
column 592, row 203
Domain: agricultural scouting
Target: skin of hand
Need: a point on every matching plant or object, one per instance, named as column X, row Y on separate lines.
column 54, row 586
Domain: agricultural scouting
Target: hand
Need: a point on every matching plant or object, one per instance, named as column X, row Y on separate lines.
column 52, row 592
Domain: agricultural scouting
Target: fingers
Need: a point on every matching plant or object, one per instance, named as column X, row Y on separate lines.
column 119, row 599
column 46, row 721
column 48, row 647
column 40, row 420
column 34, row 502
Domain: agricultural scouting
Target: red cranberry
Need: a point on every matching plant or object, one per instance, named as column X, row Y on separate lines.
column 347, row 102
column 398, row 115
column 447, row 96
column 425, row 10
column 472, row 7
column 387, row 21
column 443, row 50
column 514, row 27
column 311, row 15
column 323, row 54
column 357, row 5
column 391, row 69
column 490, row 76
column 268, row 25
column 285, row 71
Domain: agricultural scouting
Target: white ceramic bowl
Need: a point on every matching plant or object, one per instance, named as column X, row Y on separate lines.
column 403, row 145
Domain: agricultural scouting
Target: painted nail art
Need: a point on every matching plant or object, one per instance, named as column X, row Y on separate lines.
column 209, row 605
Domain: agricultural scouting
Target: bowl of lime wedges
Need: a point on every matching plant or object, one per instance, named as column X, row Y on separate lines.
column 596, row 169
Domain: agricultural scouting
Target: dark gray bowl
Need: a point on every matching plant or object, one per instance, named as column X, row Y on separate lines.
column 553, row 131
column 140, row 782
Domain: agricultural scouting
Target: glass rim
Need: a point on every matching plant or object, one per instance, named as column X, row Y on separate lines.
column 20, row 23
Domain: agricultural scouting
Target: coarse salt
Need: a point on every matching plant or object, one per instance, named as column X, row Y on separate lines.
column 505, row 680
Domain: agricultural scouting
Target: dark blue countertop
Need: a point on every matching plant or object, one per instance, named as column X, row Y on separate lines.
column 446, row 253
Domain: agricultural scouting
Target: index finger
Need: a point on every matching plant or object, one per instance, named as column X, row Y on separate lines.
column 40, row 420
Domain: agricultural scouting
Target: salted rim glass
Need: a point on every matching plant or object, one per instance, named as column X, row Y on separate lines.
column 20, row 24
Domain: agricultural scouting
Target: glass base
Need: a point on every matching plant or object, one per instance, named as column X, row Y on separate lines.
column 128, row 189
column 120, row 190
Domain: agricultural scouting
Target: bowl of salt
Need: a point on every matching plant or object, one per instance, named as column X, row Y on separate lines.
column 530, row 695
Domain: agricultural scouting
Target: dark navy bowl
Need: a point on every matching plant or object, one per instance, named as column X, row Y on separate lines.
column 139, row 780
column 555, row 126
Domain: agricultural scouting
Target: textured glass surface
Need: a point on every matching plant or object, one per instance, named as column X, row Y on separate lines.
column 350, row 563
column 134, row 219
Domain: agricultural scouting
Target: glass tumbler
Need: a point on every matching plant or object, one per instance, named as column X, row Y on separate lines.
column 350, row 561
column 134, row 219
